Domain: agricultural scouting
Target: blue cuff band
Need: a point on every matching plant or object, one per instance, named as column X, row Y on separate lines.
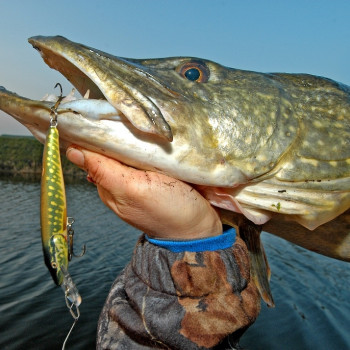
column 226, row 240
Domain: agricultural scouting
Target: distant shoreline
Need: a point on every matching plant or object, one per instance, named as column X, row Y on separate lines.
column 22, row 156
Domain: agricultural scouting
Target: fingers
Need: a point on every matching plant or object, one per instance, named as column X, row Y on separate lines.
column 152, row 202
column 101, row 170
column 111, row 174
column 114, row 181
column 121, row 187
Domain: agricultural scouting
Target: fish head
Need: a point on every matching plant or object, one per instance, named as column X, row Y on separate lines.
column 215, row 125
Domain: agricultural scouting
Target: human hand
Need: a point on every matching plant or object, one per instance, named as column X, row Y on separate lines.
column 159, row 205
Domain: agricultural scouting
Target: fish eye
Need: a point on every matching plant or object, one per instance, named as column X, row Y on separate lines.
column 193, row 74
column 194, row 71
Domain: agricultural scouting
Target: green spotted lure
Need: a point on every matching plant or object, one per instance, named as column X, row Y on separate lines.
column 56, row 228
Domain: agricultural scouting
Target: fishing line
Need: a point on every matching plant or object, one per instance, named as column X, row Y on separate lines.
column 65, row 341
column 229, row 343
column 75, row 316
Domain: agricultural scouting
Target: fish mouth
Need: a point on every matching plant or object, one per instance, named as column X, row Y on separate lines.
column 123, row 82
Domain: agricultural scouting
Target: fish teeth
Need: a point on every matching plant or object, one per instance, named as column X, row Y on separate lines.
column 87, row 94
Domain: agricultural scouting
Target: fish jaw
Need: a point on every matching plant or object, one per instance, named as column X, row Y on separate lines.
column 84, row 67
column 99, row 127
column 33, row 116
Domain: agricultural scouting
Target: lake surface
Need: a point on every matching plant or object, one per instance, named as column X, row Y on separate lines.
column 311, row 292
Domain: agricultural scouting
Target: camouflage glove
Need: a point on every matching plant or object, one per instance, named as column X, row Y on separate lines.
column 181, row 295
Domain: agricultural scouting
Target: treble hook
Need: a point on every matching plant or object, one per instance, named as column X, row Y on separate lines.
column 70, row 232
column 53, row 113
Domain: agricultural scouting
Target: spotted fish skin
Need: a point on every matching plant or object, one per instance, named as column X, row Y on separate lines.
column 53, row 214
column 272, row 147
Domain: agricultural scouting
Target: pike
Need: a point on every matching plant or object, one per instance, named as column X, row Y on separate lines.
column 272, row 151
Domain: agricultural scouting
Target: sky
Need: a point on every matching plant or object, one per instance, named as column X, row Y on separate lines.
column 267, row 36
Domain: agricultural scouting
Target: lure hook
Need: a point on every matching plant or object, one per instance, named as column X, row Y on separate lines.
column 53, row 113
column 58, row 84
column 70, row 232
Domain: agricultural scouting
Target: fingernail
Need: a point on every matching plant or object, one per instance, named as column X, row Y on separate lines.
column 76, row 156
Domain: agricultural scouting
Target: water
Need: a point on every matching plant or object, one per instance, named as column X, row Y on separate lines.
column 311, row 292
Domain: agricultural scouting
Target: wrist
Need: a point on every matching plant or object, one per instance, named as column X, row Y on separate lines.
column 201, row 227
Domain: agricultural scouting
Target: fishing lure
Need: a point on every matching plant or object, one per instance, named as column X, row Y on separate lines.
column 56, row 229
